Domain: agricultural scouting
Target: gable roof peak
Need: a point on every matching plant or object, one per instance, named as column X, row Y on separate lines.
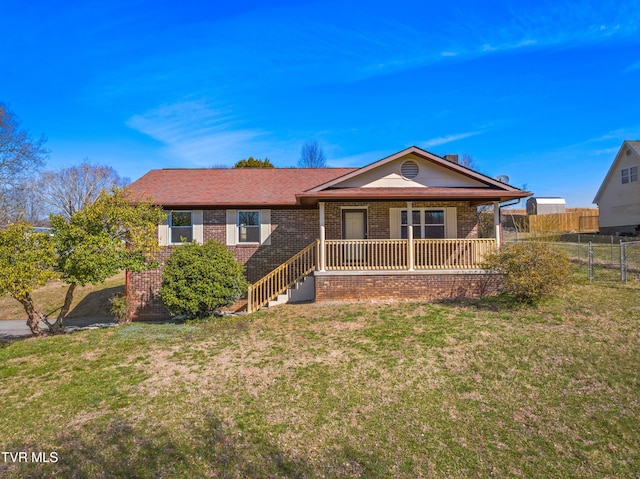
column 630, row 146
column 425, row 155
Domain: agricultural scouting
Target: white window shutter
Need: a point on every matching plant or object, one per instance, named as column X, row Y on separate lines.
column 265, row 227
column 198, row 228
column 394, row 223
column 231, row 227
column 163, row 232
column 451, row 222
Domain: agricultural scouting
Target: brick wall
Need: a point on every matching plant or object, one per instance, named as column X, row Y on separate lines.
column 378, row 217
column 416, row 287
column 142, row 291
column 291, row 231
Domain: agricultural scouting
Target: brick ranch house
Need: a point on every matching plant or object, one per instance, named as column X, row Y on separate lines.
column 404, row 227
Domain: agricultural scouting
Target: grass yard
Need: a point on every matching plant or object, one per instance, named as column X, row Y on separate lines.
column 404, row 390
column 89, row 301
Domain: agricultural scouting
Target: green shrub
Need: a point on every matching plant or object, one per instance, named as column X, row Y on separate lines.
column 533, row 270
column 198, row 280
column 119, row 305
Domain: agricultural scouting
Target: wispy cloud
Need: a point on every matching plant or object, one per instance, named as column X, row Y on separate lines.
column 633, row 67
column 196, row 134
column 442, row 140
column 618, row 135
column 512, row 27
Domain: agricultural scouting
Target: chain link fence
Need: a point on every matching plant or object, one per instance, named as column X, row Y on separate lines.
column 606, row 258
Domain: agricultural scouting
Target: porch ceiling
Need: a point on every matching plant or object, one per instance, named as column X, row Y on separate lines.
column 475, row 196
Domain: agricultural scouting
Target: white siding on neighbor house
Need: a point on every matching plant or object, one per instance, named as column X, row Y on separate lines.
column 450, row 221
column 430, row 174
column 619, row 204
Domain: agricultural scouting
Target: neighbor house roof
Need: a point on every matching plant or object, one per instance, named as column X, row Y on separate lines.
column 229, row 186
column 634, row 147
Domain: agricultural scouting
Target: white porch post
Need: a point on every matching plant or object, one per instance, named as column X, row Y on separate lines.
column 410, row 234
column 496, row 223
column 322, row 236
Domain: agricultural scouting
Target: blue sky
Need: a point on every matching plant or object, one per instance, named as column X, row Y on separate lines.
column 542, row 91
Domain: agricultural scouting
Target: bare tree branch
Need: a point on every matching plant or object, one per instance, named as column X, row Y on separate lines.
column 69, row 190
column 20, row 157
column 312, row 156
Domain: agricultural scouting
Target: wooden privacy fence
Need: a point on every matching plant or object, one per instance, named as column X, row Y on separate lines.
column 452, row 253
column 576, row 221
column 281, row 278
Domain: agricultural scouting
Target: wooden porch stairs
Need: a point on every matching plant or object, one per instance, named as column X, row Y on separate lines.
column 272, row 288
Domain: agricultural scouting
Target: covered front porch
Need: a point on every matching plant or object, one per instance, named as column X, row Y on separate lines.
column 363, row 246
column 403, row 254
column 403, row 236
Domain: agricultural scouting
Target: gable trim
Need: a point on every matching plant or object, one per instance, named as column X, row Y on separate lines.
column 424, row 155
column 626, row 144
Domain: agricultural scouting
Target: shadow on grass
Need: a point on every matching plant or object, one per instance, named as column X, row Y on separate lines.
column 123, row 450
column 6, row 342
column 95, row 304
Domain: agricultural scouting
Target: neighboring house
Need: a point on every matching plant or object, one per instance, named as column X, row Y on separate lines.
column 404, row 227
column 618, row 198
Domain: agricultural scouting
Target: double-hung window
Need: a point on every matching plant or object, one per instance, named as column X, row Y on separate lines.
column 434, row 224
column 181, row 226
column 248, row 226
column 629, row 175
column 427, row 223
column 417, row 223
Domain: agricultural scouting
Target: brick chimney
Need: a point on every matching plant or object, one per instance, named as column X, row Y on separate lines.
column 451, row 158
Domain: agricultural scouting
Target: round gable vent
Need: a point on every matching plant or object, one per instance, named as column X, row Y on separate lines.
column 409, row 169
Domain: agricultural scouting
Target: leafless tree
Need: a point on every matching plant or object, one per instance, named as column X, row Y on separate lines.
column 22, row 202
column 312, row 156
column 68, row 190
column 20, row 157
column 467, row 160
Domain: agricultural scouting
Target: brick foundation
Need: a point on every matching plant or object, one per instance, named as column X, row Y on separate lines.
column 414, row 287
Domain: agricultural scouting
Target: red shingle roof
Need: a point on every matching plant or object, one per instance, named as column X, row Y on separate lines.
column 230, row 187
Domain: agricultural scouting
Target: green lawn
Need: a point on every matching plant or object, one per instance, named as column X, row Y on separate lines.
column 408, row 390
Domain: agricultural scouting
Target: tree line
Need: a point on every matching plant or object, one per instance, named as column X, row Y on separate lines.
column 97, row 230
column 30, row 193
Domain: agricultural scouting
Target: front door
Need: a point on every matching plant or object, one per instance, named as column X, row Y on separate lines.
column 354, row 224
column 354, row 227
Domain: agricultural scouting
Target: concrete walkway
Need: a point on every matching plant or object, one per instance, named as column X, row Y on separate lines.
column 17, row 328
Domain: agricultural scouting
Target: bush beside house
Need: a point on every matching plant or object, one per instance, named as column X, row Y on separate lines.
column 199, row 279
column 533, row 270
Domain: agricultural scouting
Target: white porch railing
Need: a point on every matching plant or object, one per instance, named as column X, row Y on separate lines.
column 353, row 255
column 392, row 254
column 451, row 253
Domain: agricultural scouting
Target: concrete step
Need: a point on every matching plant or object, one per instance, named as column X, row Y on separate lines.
column 303, row 290
column 281, row 299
